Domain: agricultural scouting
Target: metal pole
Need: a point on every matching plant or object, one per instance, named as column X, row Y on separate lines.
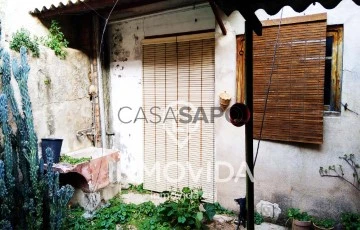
column 100, row 81
column 249, row 148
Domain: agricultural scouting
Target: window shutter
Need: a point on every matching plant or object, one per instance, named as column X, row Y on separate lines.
column 177, row 71
column 295, row 103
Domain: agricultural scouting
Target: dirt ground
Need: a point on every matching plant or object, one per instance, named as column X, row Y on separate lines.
column 222, row 226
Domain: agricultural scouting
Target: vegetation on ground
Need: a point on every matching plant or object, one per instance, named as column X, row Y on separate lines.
column 136, row 189
column 350, row 221
column 22, row 38
column 259, row 219
column 72, row 160
column 221, row 210
column 182, row 210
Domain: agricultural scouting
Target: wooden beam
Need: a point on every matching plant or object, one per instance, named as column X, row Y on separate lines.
column 217, row 16
column 240, row 69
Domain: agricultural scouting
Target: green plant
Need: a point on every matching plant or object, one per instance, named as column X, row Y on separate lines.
column 147, row 209
column 72, row 160
column 154, row 224
column 29, row 197
column 325, row 223
column 56, row 40
column 22, row 38
column 221, row 210
column 47, row 81
column 338, row 172
column 183, row 211
column 74, row 219
column 109, row 217
column 296, row 214
column 138, row 189
column 258, row 218
column 350, row 221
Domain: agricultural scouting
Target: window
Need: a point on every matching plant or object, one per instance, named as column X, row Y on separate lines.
column 295, row 104
column 333, row 66
column 176, row 71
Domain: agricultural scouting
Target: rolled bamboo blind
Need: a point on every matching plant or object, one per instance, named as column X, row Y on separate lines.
column 177, row 71
column 295, row 104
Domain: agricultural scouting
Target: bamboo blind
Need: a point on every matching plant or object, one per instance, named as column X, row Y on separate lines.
column 295, row 103
column 177, row 71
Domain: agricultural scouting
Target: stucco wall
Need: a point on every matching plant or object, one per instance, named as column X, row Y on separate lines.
column 288, row 173
column 63, row 106
column 285, row 173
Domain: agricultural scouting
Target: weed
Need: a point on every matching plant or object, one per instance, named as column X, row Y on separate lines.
column 74, row 161
column 22, row 38
column 56, row 40
column 137, row 189
column 258, row 218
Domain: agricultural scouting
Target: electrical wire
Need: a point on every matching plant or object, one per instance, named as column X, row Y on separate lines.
column 269, row 85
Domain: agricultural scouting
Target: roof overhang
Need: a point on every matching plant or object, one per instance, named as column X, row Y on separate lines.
column 246, row 7
column 129, row 8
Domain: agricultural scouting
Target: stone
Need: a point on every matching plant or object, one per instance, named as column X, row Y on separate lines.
column 125, row 185
column 88, row 215
column 223, row 218
column 268, row 210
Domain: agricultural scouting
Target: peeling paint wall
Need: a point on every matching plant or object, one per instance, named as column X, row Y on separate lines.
column 126, row 77
column 58, row 88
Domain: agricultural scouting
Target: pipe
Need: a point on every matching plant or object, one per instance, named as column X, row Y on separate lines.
column 249, row 148
column 100, row 82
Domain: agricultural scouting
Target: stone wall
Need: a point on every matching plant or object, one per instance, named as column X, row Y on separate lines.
column 58, row 88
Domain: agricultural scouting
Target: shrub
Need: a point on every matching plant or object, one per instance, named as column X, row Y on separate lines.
column 350, row 221
column 184, row 211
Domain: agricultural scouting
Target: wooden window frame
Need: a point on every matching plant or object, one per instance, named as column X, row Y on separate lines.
column 337, row 31
column 317, row 137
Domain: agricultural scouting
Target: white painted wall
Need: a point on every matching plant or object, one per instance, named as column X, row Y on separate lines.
column 285, row 173
column 288, row 173
column 126, row 76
